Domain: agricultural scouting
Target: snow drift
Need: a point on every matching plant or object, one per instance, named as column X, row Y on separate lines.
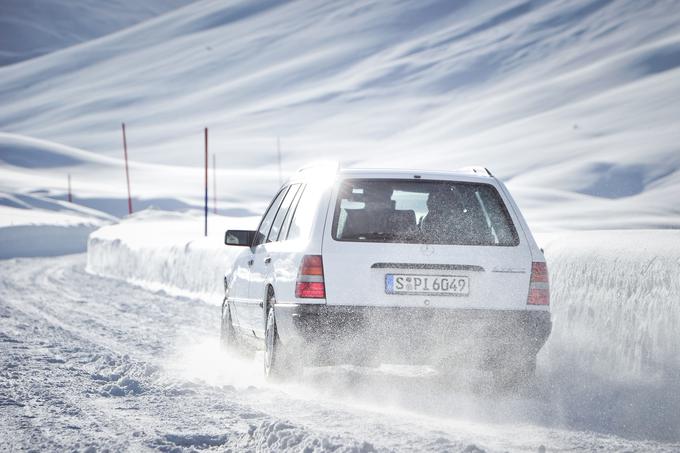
column 32, row 224
column 165, row 251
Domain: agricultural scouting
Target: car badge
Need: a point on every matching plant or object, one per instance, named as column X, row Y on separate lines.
column 426, row 250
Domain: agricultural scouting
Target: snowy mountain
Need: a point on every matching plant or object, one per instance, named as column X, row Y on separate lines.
column 30, row 28
column 575, row 103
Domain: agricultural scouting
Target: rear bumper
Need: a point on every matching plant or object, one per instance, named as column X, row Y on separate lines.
column 332, row 334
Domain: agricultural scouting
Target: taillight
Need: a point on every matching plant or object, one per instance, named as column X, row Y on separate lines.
column 539, row 289
column 310, row 283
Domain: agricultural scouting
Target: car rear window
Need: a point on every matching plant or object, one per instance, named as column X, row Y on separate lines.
column 422, row 212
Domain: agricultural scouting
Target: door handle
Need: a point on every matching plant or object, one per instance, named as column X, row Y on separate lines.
column 268, row 260
column 250, row 262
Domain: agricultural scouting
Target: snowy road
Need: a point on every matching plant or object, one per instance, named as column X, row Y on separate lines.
column 92, row 362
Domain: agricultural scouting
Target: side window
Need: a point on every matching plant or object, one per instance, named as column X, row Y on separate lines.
column 268, row 218
column 281, row 215
column 291, row 212
column 303, row 219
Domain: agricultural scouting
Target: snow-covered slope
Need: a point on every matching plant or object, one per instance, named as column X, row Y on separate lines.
column 98, row 182
column 575, row 103
column 32, row 224
column 576, row 97
column 30, row 28
column 35, row 218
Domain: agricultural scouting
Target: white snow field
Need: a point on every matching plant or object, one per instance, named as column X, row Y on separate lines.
column 573, row 103
column 98, row 182
column 30, row 28
column 32, row 225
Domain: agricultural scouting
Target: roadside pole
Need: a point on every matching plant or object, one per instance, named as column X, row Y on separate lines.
column 206, row 183
column 70, row 197
column 127, row 171
column 214, row 185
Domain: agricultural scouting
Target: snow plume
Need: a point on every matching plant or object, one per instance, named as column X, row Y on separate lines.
column 613, row 359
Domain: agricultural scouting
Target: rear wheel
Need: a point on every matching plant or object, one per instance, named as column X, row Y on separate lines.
column 279, row 364
column 227, row 331
column 516, row 375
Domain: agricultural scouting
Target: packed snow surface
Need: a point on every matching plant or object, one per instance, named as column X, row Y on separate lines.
column 93, row 362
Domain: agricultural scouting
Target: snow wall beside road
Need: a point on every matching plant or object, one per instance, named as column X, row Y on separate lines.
column 166, row 251
column 615, row 301
column 613, row 359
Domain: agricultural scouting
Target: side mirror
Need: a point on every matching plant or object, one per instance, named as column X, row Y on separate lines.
column 242, row 238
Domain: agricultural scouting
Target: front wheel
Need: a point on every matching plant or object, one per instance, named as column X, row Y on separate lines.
column 277, row 364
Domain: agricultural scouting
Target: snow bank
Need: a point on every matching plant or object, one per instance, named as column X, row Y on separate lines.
column 616, row 302
column 167, row 251
column 43, row 240
column 33, row 225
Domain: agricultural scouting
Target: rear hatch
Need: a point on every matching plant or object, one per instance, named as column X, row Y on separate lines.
column 424, row 243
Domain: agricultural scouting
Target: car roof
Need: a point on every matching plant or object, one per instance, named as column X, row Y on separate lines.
column 478, row 173
column 474, row 174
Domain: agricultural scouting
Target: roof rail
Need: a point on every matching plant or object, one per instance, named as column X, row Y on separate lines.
column 478, row 170
column 322, row 165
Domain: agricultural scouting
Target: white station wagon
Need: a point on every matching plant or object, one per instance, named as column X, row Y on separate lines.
column 366, row 266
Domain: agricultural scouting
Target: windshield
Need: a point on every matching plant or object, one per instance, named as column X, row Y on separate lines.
column 422, row 212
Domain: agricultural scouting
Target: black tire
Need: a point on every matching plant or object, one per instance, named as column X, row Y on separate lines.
column 227, row 332
column 278, row 364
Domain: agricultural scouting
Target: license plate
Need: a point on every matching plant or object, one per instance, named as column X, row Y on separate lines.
column 430, row 285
